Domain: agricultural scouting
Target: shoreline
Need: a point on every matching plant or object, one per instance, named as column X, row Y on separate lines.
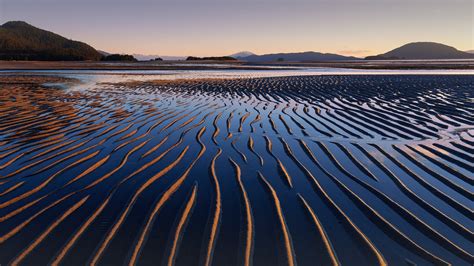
column 219, row 65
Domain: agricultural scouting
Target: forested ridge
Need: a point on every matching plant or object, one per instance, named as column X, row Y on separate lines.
column 22, row 41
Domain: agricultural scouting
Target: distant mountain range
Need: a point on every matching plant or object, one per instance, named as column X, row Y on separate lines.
column 21, row 41
column 297, row 57
column 242, row 54
column 470, row 51
column 410, row 51
column 146, row 57
column 211, row 58
column 423, row 50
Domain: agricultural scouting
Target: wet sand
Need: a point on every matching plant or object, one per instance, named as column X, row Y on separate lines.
column 329, row 170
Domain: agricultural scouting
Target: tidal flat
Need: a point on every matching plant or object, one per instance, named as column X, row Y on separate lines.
column 255, row 170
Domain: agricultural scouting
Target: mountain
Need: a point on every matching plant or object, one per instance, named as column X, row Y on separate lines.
column 241, row 54
column 143, row 57
column 297, row 57
column 22, row 41
column 146, row 57
column 173, row 57
column 423, row 50
column 470, row 51
column 210, row 58
column 104, row 53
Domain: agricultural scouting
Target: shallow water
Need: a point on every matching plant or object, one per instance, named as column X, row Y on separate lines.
column 90, row 78
column 327, row 169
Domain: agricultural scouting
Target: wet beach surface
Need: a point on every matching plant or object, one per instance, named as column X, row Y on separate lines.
column 301, row 169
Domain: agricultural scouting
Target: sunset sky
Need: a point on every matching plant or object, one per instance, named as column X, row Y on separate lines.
column 222, row 27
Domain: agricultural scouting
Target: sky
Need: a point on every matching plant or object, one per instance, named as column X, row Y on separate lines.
column 223, row 27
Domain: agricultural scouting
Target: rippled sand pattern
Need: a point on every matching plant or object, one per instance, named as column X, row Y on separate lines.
column 315, row 170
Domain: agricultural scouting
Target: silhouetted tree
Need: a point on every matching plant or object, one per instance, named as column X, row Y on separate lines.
column 119, row 57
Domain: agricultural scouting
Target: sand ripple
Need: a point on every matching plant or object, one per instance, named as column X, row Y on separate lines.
column 330, row 170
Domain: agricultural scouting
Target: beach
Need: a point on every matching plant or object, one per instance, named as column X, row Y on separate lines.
column 261, row 168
